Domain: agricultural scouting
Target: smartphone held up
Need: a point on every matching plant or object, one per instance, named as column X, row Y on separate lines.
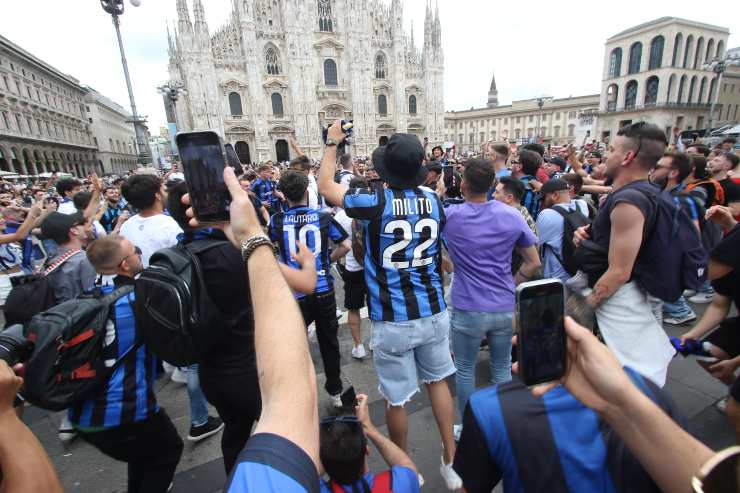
column 541, row 340
column 203, row 163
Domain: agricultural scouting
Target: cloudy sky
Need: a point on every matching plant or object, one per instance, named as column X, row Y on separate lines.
column 535, row 48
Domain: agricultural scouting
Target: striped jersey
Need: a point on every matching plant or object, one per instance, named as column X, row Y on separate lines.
column 313, row 228
column 128, row 395
column 402, row 230
column 531, row 199
column 265, row 189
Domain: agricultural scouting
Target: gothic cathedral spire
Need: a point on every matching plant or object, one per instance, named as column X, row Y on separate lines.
column 493, row 93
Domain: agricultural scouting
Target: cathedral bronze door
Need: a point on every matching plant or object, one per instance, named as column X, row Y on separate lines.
column 281, row 150
column 242, row 150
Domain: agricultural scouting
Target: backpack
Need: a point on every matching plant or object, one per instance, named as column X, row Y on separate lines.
column 672, row 257
column 341, row 174
column 382, row 483
column 68, row 361
column 32, row 294
column 572, row 220
column 175, row 316
column 719, row 192
column 531, row 199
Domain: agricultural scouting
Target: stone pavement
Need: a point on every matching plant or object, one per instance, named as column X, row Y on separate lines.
column 83, row 469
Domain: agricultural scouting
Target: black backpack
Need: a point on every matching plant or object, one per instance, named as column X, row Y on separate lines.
column 572, row 220
column 672, row 257
column 175, row 316
column 32, row 294
column 68, row 361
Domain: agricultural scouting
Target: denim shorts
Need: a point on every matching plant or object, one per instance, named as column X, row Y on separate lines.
column 404, row 352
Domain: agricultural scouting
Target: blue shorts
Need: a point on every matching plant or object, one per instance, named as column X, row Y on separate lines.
column 404, row 352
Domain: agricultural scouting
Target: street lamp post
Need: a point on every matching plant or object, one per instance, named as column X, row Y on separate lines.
column 540, row 103
column 718, row 66
column 172, row 90
column 115, row 9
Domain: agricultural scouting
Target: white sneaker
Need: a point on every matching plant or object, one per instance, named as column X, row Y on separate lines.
column 336, row 400
column 168, row 368
column 679, row 320
column 687, row 293
column 178, row 376
column 339, row 313
column 312, row 333
column 452, row 480
column 702, row 298
column 721, row 405
column 421, row 479
column 358, row 352
column 456, row 432
column 67, row 432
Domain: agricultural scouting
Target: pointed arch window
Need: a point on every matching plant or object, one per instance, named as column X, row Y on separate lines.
column 380, row 66
column 235, row 104
column 382, row 105
column 330, row 72
column 656, row 52
column 272, row 60
column 635, row 58
column 615, row 62
column 412, row 105
column 277, row 104
column 326, row 24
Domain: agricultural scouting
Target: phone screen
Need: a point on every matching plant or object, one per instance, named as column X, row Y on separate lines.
column 541, row 343
column 203, row 164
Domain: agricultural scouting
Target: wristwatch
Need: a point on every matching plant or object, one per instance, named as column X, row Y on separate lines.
column 331, row 143
column 251, row 244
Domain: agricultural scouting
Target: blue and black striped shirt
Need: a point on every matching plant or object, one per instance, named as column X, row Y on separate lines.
column 313, row 228
column 402, row 231
column 128, row 395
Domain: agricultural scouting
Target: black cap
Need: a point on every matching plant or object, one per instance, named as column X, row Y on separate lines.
column 554, row 185
column 558, row 161
column 57, row 225
column 399, row 162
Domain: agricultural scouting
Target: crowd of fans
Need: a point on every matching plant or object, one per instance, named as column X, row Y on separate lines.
column 394, row 226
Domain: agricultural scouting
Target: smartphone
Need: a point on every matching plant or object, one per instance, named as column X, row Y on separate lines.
column 203, row 164
column 349, row 398
column 541, row 343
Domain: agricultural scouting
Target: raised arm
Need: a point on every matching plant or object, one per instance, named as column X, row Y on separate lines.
column 332, row 191
column 294, row 145
column 92, row 208
column 392, row 454
column 286, row 373
column 28, row 224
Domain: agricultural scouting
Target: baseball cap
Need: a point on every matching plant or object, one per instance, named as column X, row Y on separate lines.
column 57, row 225
column 554, row 185
column 558, row 161
column 399, row 161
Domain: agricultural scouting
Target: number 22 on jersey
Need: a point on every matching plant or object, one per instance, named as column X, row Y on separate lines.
column 418, row 258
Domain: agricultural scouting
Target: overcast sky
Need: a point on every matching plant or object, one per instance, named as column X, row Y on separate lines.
column 535, row 48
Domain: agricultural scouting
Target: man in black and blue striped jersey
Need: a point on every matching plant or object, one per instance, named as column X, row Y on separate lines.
column 402, row 224
column 315, row 229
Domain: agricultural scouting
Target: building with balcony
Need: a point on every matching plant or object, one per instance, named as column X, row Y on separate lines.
column 282, row 69
column 558, row 121
column 43, row 125
column 655, row 72
column 112, row 131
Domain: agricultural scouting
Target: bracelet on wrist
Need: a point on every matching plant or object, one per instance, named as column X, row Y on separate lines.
column 251, row 244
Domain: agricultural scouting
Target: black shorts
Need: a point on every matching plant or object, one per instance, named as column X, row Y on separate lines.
column 727, row 337
column 355, row 290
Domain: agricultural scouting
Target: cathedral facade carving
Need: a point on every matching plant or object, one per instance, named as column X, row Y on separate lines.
column 282, row 68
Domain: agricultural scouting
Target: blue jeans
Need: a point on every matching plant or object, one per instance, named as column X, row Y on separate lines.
column 679, row 309
column 467, row 329
column 198, row 403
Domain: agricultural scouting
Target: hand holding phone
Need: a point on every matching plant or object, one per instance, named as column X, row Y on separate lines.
column 541, row 343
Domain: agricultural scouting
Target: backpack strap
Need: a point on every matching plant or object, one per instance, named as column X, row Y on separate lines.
column 60, row 261
column 383, row 482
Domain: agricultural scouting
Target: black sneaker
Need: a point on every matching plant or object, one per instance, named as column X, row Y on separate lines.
column 210, row 427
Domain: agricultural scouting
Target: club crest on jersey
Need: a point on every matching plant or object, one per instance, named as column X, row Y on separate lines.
column 411, row 206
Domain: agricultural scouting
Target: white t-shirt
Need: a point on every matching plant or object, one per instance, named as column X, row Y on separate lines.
column 67, row 207
column 350, row 262
column 151, row 234
column 313, row 193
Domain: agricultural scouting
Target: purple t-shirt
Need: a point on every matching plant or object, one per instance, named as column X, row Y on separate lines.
column 480, row 238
